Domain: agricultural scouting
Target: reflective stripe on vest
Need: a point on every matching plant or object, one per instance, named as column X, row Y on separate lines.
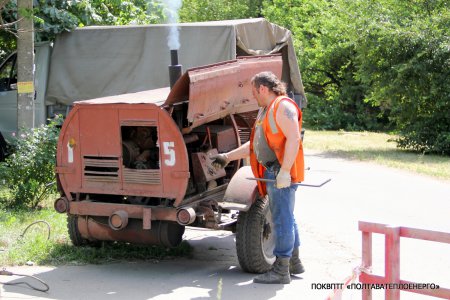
column 271, row 118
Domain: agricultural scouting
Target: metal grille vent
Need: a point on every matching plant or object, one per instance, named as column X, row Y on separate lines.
column 97, row 168
column 138, row 123
column 141, row 176
column 244, row 134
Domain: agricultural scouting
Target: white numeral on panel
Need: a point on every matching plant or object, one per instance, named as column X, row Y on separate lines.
column 169, row 150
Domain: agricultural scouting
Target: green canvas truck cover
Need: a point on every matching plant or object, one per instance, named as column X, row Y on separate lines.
column 101, row 61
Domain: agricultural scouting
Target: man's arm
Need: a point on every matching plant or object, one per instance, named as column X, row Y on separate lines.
column 287, row 119
column 222, row 160
column 239, row 153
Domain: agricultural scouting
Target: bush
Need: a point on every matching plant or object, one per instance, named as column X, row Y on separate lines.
column 29, row 171
column 374, row 65
column 407, row 68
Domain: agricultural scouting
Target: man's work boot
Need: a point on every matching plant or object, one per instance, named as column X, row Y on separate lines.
column 278, row 274
column 295, row 264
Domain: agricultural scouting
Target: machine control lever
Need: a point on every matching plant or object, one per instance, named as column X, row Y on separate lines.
column 299, row 184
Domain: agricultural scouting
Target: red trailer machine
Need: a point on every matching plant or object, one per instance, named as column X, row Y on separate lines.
column 137, row 167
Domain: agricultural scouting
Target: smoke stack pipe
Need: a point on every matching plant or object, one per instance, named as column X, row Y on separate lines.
column 174, row 68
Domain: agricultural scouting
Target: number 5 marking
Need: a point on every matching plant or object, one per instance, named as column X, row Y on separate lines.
column 169, row 150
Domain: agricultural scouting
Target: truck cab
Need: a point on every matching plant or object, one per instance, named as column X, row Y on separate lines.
column 8, row 93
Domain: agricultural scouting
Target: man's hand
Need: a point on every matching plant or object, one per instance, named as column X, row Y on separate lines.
column 220, row 161
column 283, row 179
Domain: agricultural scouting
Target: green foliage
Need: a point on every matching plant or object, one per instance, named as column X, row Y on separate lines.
column 55, row 16
column 29, row 170
column 213, row 10
column 374, row 65
column 7, row 37
column 404, row 58
column 326, row 51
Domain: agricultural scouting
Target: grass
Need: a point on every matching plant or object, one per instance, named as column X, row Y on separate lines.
column 376, row 148
column 20, row 245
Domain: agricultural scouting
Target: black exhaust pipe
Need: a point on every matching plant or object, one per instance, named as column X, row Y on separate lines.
column 174, row 68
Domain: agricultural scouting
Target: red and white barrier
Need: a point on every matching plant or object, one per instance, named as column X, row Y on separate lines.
column 392, row 260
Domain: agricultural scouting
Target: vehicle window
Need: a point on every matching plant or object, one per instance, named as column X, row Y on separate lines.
column 8, row 74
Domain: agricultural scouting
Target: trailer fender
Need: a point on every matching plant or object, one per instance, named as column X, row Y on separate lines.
column 241, row 193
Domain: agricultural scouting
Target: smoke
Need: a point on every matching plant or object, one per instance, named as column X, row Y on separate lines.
column 171, row 12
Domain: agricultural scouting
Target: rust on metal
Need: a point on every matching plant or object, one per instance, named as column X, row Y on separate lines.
column 202, row 166
column 241, row 193
column 168, row 234
column 146, row 218
column 89, row 208
column 137, row 167
column 229, row 83
column 61, row 205
column 98, row 166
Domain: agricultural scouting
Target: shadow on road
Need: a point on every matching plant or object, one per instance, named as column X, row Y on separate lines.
column 212, row 273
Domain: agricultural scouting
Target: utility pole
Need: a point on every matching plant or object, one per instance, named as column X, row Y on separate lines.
column 25, row 59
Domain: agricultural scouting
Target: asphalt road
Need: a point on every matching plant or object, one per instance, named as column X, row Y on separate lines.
column 331, row 245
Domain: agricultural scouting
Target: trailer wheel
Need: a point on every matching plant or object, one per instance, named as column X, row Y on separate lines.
column 3, row 146
column 74, row 233
column 2, row 153
column 255, row 238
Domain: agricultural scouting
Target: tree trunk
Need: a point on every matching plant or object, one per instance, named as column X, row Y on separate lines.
column 25, row 72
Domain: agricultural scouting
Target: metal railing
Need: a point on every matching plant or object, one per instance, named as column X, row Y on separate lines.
column 392, row 260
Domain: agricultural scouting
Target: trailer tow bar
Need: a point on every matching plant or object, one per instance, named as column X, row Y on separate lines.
column 298, row 184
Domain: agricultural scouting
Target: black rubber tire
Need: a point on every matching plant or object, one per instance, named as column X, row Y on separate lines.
column 74, row 233
column 3, row 147
column 2, row 153
column 255, row 238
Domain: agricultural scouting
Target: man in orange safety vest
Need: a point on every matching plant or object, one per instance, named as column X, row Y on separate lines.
column 276, row 152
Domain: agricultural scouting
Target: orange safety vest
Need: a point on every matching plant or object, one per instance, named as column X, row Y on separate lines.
column 276, row 141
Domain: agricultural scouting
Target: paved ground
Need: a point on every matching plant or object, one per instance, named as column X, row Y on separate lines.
column 331, row 245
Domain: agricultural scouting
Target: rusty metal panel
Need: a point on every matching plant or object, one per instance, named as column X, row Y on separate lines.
column 174, row 158
column 68, row 156
column 147, row 218
column 155, row 96
column 212, row 92
column 100, row 149
column 249, row 66
column 162, row 233
column 221, row 89
column 203, row 169
column 180, row 91
column 96, row 159
column 222, row 137
column 89, row 208
column 100, row 131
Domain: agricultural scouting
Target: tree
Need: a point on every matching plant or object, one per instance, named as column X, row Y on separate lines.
column 55, row 16
column 214, row 10
column 326, row 51
column 374, row 65
column 8, row 19
column 404, row 57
